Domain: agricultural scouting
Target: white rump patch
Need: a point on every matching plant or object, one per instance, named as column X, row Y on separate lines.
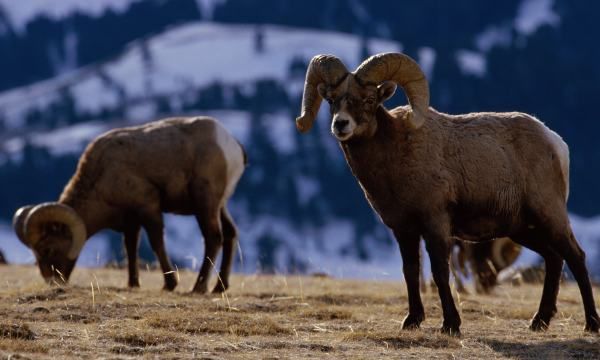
column 562, row 150
column 234, row 157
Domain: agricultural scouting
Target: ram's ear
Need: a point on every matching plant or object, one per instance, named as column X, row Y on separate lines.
column 386, row 90
column 323, row 91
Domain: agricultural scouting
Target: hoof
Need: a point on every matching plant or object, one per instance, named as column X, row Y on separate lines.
column 539, row 324
column 412, row 322
column 170, row 282
column 450, row 330
column 220, row 288
column 199, row 290
column 592, row 324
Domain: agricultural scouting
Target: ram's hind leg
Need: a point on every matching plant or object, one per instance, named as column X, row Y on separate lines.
column 567, row 245
column 554, row 221
column 229, row 246
column 209, row 220
column 536, row 240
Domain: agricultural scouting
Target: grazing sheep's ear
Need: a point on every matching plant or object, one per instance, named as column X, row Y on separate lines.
column 386, row 90
column 18, row 222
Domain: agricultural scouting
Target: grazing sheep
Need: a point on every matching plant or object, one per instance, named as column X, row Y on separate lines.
column 125, row 180
column 484, row 261
column 474, row 177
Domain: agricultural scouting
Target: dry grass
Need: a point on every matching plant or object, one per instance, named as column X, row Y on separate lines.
column 270, row 317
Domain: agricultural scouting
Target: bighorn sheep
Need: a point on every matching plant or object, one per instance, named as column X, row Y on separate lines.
column 483, row 261
column 125, row 179
column 474, row 177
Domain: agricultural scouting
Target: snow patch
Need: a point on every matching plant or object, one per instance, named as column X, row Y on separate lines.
column 532, row 14
column 493, row 36
column 427, row 58
column 236, row 122
column 281, row 132
column 141, row 112
column 307, row 188
column 207, row 8
column 471, row 63
column 68, row 140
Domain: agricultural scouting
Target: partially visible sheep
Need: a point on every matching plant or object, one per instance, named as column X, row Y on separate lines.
column 481, row 261
column 125, row 180
column 475, row 176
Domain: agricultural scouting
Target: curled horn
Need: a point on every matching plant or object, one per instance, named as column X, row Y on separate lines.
column 504, row 252
column 405, row 72
column 40, row 215
column 18, row 222
column 323, row 69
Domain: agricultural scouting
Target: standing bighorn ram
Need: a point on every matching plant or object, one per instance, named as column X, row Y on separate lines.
column 475, row 176
column 125, row 180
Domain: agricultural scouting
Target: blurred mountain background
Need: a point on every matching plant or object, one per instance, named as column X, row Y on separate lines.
column 72, row 69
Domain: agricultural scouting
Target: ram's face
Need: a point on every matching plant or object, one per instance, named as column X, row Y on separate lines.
column 50, row 253
column 353, row 107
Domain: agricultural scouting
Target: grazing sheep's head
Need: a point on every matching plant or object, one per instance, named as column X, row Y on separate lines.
column 55, row 234
column 504, row 253
column 355, row 97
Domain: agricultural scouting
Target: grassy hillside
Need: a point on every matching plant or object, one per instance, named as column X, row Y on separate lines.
column 270, row 317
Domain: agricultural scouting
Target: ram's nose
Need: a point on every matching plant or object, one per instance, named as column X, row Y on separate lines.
column 340, row 125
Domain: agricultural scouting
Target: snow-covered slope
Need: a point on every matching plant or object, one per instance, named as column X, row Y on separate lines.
column 185, row 58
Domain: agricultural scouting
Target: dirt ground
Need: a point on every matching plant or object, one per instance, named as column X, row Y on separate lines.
column 271, row 317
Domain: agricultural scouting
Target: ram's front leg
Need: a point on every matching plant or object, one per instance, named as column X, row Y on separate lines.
column 155, row 229
column 437, row 242
column 409, row 243
column 131, row 237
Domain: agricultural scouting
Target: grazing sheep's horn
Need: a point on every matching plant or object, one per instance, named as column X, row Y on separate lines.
column 504, row 252
column 60, row 213
column 323, row 69
column 18, row 222
column 405, row 72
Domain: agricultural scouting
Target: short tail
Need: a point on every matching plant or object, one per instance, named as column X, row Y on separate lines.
column 563, row 154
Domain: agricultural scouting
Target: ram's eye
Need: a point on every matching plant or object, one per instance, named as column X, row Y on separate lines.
column 369, row 101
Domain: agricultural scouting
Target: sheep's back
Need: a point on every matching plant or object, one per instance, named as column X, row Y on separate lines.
column 166, row 158
column 505, row 159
